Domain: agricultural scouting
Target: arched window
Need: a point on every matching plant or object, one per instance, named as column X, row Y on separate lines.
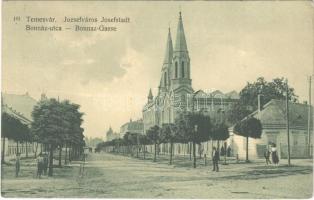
column 176, row 70
column 165, row 78
column 182, row 69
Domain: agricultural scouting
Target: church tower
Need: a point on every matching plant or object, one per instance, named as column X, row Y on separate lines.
column 150, row 96
column 165, row 71
column 180, row 71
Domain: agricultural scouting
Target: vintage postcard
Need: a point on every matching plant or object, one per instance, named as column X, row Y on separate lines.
column 157, row 99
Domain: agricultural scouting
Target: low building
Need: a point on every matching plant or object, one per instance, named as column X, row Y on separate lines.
column 274, row 130
column 132, row 127
column 19, row 107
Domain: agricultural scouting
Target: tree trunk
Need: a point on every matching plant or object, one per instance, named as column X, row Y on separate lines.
column 190, row 150
column 199, row 150
column 50, row 171
column 17, row 147
column 26, row 150
column 247, row 149
column 171, row 149
column 211, row 152
column 70, row 153
column 60, row 154
column 66, row 154
column 3, row 150
column 194, row 155
column 22, row 147
column 36, row 147
column 155, row 153
column 218, row 149
column 137, row 150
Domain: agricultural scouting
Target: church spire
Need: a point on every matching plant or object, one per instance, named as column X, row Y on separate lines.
column 169, row 50
column 150, row 95
column 180, row 39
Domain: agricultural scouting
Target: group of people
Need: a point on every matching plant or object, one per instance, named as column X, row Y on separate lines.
column 271, row 152
column 224, row 151
column 42, row 164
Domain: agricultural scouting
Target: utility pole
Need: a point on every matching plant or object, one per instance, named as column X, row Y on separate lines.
column 287, row 116
column 309, row 116
column 259, row 102
column 194, row 153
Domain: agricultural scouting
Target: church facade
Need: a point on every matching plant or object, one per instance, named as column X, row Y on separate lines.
column 175, row 92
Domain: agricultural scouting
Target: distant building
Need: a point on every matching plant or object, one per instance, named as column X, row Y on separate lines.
column 175, row 92
column 132, row 127
column 110, row 135
column 273, row 119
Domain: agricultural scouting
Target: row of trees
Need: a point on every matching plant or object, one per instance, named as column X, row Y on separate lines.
column 55, row 125
column 192, row 128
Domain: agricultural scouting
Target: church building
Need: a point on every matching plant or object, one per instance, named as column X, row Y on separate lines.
column 175, row 92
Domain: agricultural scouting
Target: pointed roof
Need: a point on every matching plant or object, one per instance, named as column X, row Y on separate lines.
column 180, row 40
column 169, row 49
column 150, row 94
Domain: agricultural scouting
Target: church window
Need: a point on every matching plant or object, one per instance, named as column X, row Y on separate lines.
column 176, row 70
column 182, row 69
column 165, row 78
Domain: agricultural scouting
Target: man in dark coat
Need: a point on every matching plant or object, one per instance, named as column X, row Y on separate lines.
column 267, row 156
column 215, row 159
column 17, row 165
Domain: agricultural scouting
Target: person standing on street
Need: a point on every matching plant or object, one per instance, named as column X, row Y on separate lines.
column 215, row 159
column 45, row 165
column 267, row 156
column 274, row 154
column 17, row 165
column 40, row 165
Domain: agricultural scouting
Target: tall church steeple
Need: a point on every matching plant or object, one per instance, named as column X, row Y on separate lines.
column 180, row 39
column 180, row 73
column 165, row 76
column 169, row 50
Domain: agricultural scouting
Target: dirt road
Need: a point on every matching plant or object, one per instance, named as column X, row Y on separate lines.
column 113, row 176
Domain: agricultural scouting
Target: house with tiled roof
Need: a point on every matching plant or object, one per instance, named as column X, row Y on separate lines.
column 274, row 130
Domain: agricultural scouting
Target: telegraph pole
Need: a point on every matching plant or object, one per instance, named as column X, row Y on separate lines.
column 287, row 120
column 309, row 116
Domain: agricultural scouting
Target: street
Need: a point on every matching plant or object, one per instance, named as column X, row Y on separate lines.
column 113, row 176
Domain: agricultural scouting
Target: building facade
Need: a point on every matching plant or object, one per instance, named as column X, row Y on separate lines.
column 175, row 93
column 132, row 127
column 274, row 123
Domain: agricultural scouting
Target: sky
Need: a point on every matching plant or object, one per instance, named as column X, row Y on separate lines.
column 109, row 74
